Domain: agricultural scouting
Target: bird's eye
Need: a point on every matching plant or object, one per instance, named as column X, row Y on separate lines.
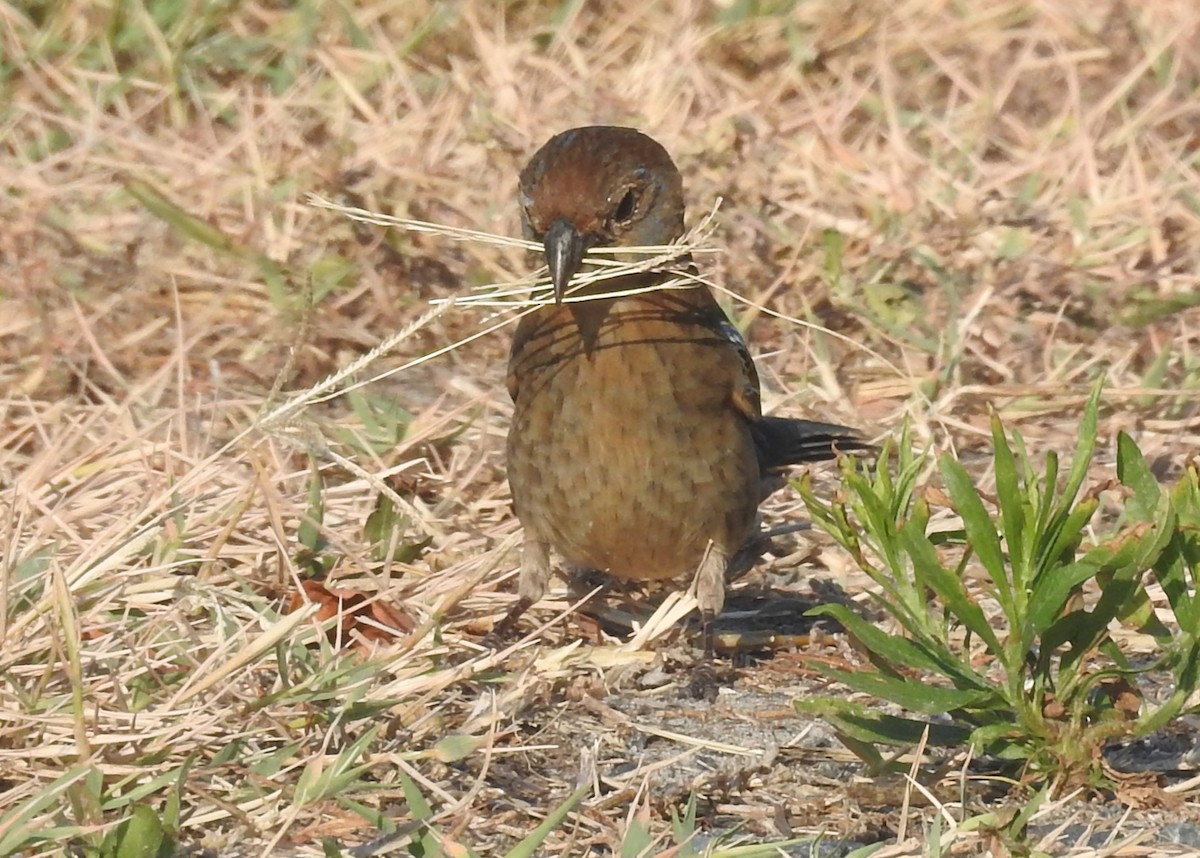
column 625, row 209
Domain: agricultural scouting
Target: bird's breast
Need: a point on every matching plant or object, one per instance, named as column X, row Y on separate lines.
column 625, row 451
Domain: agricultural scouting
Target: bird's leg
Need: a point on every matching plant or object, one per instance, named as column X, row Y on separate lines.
column 707, row 623
column 710, row 593
column 531, row 585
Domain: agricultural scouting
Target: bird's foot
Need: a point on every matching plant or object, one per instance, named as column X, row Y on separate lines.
column 705, row 683
column 498, row 636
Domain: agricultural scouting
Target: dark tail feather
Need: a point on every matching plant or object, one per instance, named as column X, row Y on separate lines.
column 782, row 441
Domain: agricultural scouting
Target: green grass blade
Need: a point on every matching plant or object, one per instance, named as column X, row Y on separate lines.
column 529, row 845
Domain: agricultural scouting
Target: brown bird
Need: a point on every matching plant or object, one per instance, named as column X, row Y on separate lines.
column 638, row 445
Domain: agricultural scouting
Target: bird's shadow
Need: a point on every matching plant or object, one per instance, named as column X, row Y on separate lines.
column 756, row 621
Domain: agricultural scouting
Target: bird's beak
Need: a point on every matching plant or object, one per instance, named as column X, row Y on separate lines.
column 565, row 247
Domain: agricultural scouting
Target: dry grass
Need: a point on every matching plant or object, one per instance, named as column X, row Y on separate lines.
column 981, row 202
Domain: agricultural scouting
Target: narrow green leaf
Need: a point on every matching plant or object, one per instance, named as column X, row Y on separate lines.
column 14, row 822
column 414, row 797
column 875, row 727
column 1179, row 558
column 330, row 777
column 948, row 586
column 1178, row 567
column 1051, row 595
column 1046, row 487
column 309, row 534
column 683, row 828
column 457, row 746
column 1062, row 536
column 183, row 222
column 425, row 842
column 864, row 749
column 142, row 835
column 1120, row 568
column 1134, row 472
column 178, row 783
column 1005, row 740
column 893, row 649
column 197, row 229
column 981, row 531
column 1011, row 503
column 1021, row 821
column 1082, row 460
column 879, row 522
column 1187, row 495
column 273, row 763
column 1066, row 521
column 529, row 845
column 637, row 841
column 912, row 693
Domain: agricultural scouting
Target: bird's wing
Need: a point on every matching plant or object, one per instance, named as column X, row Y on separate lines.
column 510, row 378
column 745, row 394
column 527, row 329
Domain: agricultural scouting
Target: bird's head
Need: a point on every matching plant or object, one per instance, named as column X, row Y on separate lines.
column 599, row 186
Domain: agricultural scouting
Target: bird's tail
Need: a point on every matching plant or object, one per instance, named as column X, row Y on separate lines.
column 782, row 441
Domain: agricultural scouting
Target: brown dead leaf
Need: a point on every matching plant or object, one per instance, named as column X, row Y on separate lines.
column 359, row 620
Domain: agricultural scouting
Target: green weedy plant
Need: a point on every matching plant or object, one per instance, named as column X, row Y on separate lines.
column 1041, row 687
